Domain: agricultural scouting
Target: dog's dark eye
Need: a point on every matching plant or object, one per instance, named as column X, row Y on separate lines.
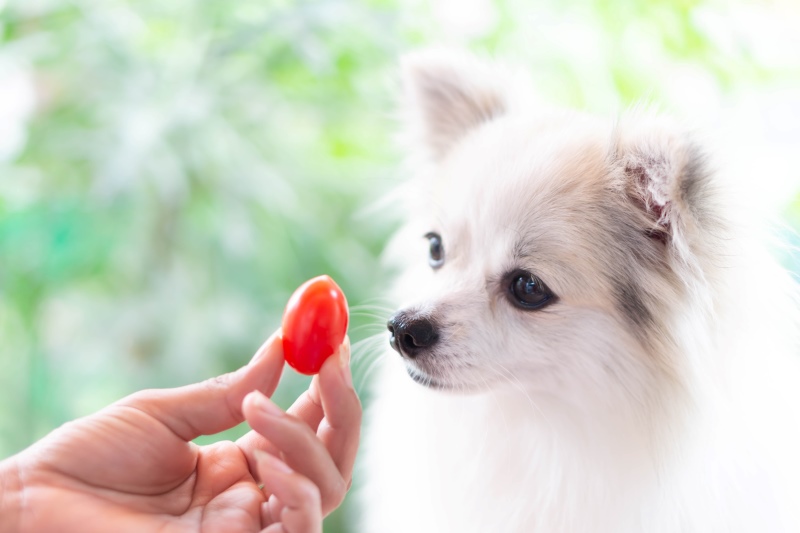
column 436, row 251
column 528, row 292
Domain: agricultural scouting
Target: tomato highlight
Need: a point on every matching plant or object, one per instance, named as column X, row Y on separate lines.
column 314, row 324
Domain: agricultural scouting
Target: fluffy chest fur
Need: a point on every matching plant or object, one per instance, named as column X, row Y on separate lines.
column 497, row 462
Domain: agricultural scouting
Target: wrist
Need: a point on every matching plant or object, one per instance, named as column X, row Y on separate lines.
column 10, row 496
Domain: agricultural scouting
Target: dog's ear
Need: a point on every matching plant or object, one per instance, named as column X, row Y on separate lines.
column 446, row 95
column 665, row 174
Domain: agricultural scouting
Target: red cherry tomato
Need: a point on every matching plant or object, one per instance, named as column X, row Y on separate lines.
column 314, row 324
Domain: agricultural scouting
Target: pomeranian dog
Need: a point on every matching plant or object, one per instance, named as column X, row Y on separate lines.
column 588, row 340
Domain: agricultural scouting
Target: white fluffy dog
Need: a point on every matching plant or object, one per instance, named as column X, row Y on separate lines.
column 588, row 342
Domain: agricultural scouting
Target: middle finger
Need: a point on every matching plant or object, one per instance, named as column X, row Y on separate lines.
column 299, row 446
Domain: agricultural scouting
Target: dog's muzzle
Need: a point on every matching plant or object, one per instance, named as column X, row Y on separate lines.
column 412, row 333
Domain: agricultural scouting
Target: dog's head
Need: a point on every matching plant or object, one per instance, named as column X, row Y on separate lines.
column 547, row 250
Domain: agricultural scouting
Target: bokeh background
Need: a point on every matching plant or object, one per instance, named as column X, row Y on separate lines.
column 171, row 171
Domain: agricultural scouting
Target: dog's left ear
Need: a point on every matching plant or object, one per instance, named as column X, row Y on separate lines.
column 447, row 94
column 664, row 172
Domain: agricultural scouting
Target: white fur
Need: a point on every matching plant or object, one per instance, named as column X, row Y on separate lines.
column 677, row 413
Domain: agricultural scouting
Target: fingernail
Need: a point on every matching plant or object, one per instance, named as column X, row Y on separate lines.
column 271, row 462
column 264, row 404
column 313, row 390
column 344, row 361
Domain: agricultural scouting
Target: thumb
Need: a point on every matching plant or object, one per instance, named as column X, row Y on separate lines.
column 213, row 405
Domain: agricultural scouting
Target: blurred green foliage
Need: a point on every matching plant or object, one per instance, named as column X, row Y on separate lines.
column 171, row 171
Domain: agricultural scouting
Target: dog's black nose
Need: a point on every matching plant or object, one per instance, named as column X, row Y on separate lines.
column 411, row 334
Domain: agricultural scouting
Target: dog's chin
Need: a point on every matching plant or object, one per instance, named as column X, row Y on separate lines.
column 442, row 384
column 425, row 380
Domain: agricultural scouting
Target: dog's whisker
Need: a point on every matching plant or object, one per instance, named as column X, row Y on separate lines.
column 361, row 348
column 362, row 379
column 371, row 352
column 370, row 313
column 372, row 307
column 377, row 300
column 377, row 329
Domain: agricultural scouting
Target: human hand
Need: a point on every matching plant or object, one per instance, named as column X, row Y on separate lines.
column 132, row 466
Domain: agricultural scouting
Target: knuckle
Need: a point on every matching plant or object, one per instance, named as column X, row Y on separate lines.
column 300, row 429
column 138, row 397
column 142, row 400
column 218, row 382
column 355, row 409
column 334, row 495
column 309, row 492
column 221, row 384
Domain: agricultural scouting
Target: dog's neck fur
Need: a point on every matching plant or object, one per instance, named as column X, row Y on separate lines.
column 552, row 465
column 555, row 464
column 516, row 460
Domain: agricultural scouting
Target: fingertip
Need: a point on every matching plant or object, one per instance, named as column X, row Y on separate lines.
column 258, row 404
column 313, row 391
column 274, row 528
column 344, row 362
column 264, row 370
column 337, row 367
column 248, row 402
column 344, row 351
column 271, row 349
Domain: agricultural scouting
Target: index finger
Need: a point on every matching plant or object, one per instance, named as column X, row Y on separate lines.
column 213, row 405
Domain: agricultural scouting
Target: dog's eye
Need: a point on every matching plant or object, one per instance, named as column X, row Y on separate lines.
column 436, row 251
column 528, row 292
